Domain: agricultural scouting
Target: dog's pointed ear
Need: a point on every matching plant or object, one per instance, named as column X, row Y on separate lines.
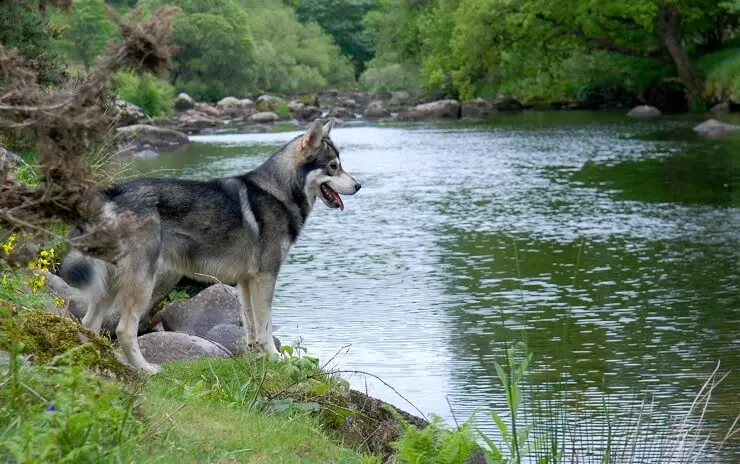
column 328, row 126
column 312, row 137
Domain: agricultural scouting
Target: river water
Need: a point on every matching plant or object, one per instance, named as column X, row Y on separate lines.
column 611, row 247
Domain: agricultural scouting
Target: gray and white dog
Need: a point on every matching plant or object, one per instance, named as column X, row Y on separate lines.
column 236, row 230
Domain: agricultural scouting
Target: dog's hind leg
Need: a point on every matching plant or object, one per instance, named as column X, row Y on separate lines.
column 135, row 280
column 261, row 291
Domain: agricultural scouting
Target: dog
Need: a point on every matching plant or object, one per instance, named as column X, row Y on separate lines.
column 235, row 230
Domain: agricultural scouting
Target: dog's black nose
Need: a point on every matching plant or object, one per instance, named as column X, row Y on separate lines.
column 357, row 186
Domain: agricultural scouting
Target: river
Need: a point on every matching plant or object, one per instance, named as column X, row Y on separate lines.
column 610, row 246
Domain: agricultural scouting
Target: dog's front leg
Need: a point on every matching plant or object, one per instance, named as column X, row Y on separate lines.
column 247, row 314
column 261, row 291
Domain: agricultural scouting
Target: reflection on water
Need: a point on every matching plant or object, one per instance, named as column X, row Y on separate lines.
column 611, row 250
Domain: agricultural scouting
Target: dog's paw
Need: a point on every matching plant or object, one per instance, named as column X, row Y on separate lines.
column 151, row 369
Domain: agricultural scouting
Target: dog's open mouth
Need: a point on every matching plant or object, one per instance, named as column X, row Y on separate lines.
column 331, row 198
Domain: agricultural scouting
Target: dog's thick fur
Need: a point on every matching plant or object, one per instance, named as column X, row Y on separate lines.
column 234, row 230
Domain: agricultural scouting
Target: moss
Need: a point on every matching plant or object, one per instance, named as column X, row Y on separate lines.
column 366, row 423
column 268, row 105
column 45, row 336
column 309, row 99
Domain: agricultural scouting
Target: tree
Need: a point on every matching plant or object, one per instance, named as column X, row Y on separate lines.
column 90, row 30
column 342, row 19
column 216, row 56
column 25, row 26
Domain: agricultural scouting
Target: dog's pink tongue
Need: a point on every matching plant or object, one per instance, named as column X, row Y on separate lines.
column 338, row 199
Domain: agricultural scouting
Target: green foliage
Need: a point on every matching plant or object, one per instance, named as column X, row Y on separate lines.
column 379, row 77
column 216, row 55
column 436, row 443
column 25, row 27
column 343, row 21
column 58, row 413
column 539, row 48
column 293, row 57
column 155, row 96
column 88, row 33
column 283, row 111
column 723, row 75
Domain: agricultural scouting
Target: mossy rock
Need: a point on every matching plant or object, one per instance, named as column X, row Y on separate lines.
column 45, row 336
column 366, row 423
column 309, row 99
column 267, row 105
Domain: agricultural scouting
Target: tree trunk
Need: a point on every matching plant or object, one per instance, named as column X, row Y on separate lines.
column 669, row 23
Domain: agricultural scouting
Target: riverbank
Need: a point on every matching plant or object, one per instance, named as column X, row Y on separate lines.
column 144, row 137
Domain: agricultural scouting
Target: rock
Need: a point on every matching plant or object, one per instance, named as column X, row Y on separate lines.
column 400, row 98
column 143, row 135
column 440, row 109
column 267, row 103
column 350, row 103
column 232, row 337
column 184, row 102
column 478, row 108
column 9, row 160
column 264, row 117
column 227, row 102
column 195, row 121
column 145, row 154
column 506, row 104
column 210, row 110
column 341, row 112
column 376, row 110
column 714, row 128
column 216, row 305
column 644, row 111
column 127, row 113
column 720, row 108
column 160, row 347
column 303, row 112
column 247, row 105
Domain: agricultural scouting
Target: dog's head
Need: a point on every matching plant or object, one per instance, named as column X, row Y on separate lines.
column 324, row 176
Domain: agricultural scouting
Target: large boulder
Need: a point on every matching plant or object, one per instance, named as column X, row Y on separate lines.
column 210, row 110
column 478, row 108
column 267, row 103
column 195, row 121
column 264, row 117
column 303, row 112
column 440, row 109
column 9, row 161
column 227, row 102
column 160, row 347
column 341, row 112
column 644, row 112
column 232, row 337
column 184, row 102
column 127, row 113
column 376, row 110
column 506, row 104
column 350, row 103
column 247, row 106
column 400, row 98
column 216, row 305
column 714, row 128
column 144, row 136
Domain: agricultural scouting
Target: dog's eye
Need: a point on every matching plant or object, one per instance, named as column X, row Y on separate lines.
column 333, row 165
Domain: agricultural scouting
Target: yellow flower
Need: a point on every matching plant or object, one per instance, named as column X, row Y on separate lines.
column 5, row 279
column 58, row 301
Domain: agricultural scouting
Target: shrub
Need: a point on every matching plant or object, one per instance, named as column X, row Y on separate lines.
column 155, row 96
column 722, row 71
column 381, row 77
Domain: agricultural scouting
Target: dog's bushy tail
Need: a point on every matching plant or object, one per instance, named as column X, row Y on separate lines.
column 77, row 269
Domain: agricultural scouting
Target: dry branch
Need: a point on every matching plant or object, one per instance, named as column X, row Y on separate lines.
column 67, row 123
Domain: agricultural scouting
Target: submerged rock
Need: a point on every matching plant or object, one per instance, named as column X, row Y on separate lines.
column 644, row 111
column 151, row 137
column 714, row 128
column 440, row 109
